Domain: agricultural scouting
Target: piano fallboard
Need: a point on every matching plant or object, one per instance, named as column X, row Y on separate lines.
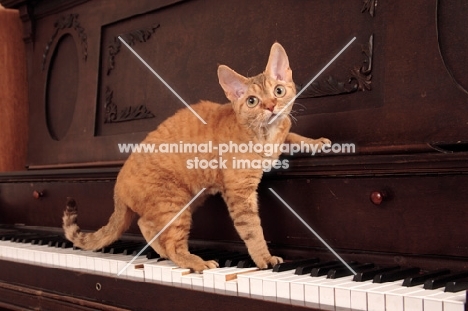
column 61, row 289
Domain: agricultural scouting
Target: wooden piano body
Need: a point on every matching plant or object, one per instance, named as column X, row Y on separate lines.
column 398, row 93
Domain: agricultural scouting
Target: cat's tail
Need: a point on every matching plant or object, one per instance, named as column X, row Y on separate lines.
column 119, row 221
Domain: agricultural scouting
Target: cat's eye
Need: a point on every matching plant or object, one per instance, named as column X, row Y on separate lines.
column 252, row 101
column 280, row 91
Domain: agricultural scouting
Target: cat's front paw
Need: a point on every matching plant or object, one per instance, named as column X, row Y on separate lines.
column 269, row 262
column 204, row 265
column 323, row 141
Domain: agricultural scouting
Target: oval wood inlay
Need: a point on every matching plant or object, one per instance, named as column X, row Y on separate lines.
column 453, row 38
column 62, row 87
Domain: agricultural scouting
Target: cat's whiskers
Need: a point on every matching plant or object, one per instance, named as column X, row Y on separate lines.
column 292, row 116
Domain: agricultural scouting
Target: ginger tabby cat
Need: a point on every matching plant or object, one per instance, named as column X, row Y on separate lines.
column 156, row 186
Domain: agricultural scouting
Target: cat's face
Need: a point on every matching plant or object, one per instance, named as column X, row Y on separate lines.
column 262, row 98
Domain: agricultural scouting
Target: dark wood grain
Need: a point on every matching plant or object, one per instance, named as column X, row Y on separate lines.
column 398, row 93
column 14, row 95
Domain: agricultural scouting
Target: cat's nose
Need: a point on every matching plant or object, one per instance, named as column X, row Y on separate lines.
column 270, row 106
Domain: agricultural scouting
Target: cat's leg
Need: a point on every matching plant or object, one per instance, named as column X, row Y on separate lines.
column 172, row 243
column 149, row 231
column 294, row 138
column 243, row 209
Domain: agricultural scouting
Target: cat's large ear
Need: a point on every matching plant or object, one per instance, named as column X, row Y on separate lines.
column 278, row 64
column 233, row 84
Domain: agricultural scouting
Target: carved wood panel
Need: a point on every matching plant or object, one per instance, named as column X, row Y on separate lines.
column 392, row 91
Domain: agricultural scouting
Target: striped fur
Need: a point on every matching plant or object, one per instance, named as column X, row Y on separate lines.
column 156, row 186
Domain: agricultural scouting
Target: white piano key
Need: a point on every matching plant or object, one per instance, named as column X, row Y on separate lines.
column 197, row 282
column 456, row 302
column 359, row 295
column 308, row 290
column 243, row 282
column 214, row 279
column 283, row 287
column 296, row 289
column 86, row 259
column 231, row 287
column 48, row 259
column 156, row 266
column 229, row 274
column 398, row 299
column 445, row 301
column 376, row 296
column 136, row 269
column 116, row 264
column 327, row 290
column 192, row 281
column 177, row 275
column 186, row 281
column 73, row 259
column 270, row 284
column 209, row 277
column 221, row 277
column 166, row 273
column 113, row 263
column 343, row 293
column 10, row 252
column 256, row 283
column 415, row 299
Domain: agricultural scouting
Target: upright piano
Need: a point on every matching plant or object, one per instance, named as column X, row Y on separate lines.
column 398, row 200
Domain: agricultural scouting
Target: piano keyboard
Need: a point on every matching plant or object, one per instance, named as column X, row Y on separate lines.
column 308, row 283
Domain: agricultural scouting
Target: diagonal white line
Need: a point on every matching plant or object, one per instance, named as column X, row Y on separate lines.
column 313, row 231
column 162, row 80
column 311, row 81
column 160, row 232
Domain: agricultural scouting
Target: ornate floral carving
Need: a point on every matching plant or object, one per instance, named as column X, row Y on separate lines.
column 69, row 21
column 362, row 75
column 360, row 79
column 140, row 35
column 129, row 113
column 369, row 6
column 328, row 87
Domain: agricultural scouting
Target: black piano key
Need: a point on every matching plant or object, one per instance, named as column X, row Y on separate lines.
column 151, row 254
column 343, row 271
column 7, row 237
column 320, row 271
column 66, row 244
column 118, row 247
column 443, row 280
column 216, row 255
column 285, row 266
column 43, row 240
column 53, row 242
column 396, row 275
column 18, row 238
column 137, row 250
column 307, row 269
column 234, row 261
column 420, row 279
column 135, row 247
column 457, row 285
column 246, row 263
column 30, row 238
column 324, row 270
column 371, row 273
column 221, row 260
